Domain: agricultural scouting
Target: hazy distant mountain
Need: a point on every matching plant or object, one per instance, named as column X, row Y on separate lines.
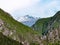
column 27, row 20
column 15, row 30
column 45, row 31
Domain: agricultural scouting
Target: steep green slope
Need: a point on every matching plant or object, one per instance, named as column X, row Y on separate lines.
column 13, row 24
column 14, row 29
column 49, row 28
column 44, row 24
column 41, row 24
column 7, row 41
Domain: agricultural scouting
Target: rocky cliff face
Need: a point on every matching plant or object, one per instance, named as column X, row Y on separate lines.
column 49, row 28
column 16, row 30
column 7, row 41
column 14, row 35
column 52, row 37
column 6, row 31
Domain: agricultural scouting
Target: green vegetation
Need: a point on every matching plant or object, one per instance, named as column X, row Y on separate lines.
column 21, row 30
column 13, row 24
column 41, row 24
column 34, row 44
column 55, row 43
column 25, row 33
column 44, row 24
column 7, row 41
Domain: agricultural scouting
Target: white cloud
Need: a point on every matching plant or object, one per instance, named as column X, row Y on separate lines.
column 53, row 7
column 9, row 5
column 50, row 9
column 46, row 10
column 32, row 7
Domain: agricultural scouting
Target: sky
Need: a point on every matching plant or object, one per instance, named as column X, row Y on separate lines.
column 36, row 8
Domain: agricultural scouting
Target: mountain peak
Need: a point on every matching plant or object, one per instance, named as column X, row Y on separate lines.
column 27, row 20
column 15, row 30
column 27, row 15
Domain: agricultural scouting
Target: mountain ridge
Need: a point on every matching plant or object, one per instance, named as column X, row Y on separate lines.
column 16, row 30
column 27, row 20
column 46, row 23
column 45, row 31
column 49, row 28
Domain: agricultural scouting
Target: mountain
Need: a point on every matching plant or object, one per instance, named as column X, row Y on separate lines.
column 41, row 24
column 49, row 28
column 27, row 20
column 7, row 41
column 44, row 24
column 16, row 30
column 45, row 31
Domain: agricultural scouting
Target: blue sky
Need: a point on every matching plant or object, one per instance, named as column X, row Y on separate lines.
column 37, row 8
